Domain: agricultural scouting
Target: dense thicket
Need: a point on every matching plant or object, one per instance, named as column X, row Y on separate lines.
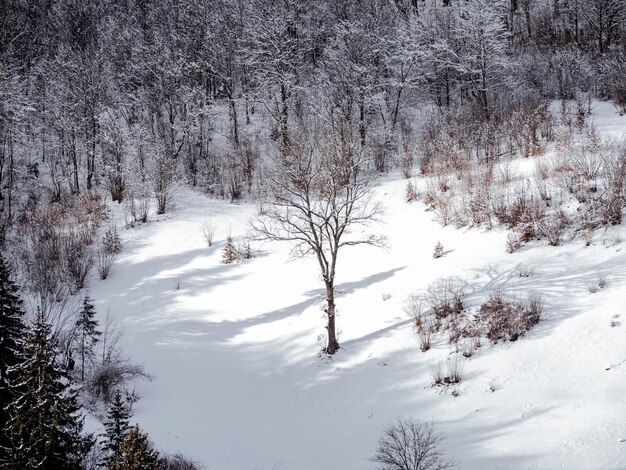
column 126, row 100
column 133, row 96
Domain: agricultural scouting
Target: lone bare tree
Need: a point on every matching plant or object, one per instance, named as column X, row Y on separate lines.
column 408, row 444
column 319, row 192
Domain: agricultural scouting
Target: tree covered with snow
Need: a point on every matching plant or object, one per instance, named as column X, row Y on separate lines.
column 87, row 334
column 136, row 452
column 117, row 423
column 321, row 192
column 45, row 425
column 12, row 331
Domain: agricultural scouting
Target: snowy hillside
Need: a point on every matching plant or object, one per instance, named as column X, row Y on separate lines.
column 240, row 384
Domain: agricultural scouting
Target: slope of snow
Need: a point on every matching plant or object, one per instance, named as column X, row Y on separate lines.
column 234, row 348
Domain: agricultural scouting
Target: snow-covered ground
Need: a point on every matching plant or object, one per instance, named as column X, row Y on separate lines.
column 239, row 383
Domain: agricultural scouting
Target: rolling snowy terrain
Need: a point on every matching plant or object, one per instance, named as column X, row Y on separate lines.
column 240, row 384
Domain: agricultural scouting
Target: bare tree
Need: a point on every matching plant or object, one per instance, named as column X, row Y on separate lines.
column 320, row 190
column 411, row 445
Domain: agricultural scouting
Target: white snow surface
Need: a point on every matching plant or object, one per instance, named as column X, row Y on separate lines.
column 239, row 382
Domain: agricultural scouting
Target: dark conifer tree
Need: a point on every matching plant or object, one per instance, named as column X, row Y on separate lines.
column 116, row 425
column 229, row 252
column 87, row 330
column 12, row 330
column 135, row 453
column 44, row 427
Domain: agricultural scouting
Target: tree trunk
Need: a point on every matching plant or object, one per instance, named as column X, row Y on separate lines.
column 74, row 158
column 362, row 119
column 234, row 120
column 284, row 117
column 244, row 82
column 82, row 359
column 527, row 8
column 332, row 345
column 11, row 179
column 91, row 152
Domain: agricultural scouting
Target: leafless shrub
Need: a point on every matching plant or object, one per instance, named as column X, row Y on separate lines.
column 106, row 260
column 454, row 368
column 453, row 373
column 411, row 445
column 77, row 258
column 208, row 230
column 244, row 250
column 446, row 298
column 585, row 161
column 525, row 271
column 612, row 237
column 512, row 243
column 442, row 182
column 443, row 209
column 114, row 370
column 111, row 376
column 535, row 308
column 588, row 235
column 162, row 179
column 414, row 307
column 454, row 331
column 505, row 173
column 138, row 207
column 513, row 208
column 543, row 191
column 599, row 284
column 179, row 461
column 107, row 251
column 406, row 160
column 111, row 241
column 479, row 208
column 616, row 238
column 508, row 320
column 526, row 122
column 552, row 227
column 542, row 171
column 436, row 372
column 527, row 232
column 239, row 169
column 424, row 333
column 430, row 202
column 467, row 348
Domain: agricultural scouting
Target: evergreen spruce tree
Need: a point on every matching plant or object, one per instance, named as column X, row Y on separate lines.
column 229, row 253
column 86, row 327
column 116, row 425
column 136, row 452
column 44, row 426
column 12, row 330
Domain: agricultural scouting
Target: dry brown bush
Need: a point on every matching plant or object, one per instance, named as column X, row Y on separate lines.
column 505, row 320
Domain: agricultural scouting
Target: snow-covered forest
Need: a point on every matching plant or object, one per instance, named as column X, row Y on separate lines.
column 325, row 234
